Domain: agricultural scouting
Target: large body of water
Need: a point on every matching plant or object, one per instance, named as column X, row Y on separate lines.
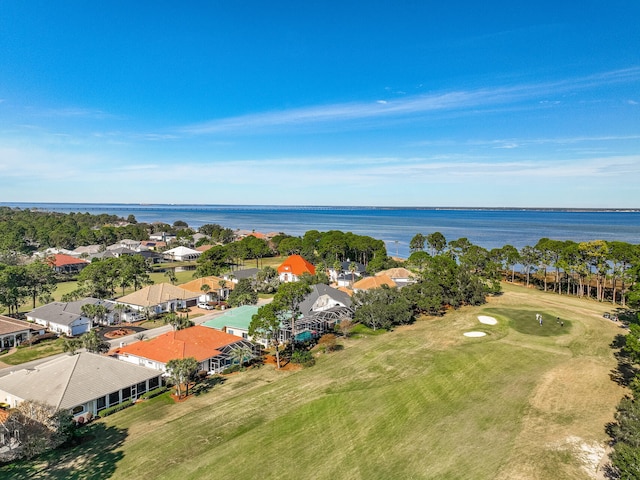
column 488, row 228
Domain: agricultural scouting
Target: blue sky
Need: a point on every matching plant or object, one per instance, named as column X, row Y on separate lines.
column 321, row 103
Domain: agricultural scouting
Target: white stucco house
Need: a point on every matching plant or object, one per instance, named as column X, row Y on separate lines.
column 181, row 254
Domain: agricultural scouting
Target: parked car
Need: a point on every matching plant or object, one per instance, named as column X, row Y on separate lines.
column 206, row 305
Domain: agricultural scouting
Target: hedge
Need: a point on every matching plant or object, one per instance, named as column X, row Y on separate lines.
column 116, row 408
column 153, row 393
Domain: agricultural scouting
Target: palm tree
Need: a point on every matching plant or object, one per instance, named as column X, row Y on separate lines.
column 101, row 313
column 149, row 312
column 337, row 268
column 119, row 308
column 266, row 323
column 89, row 311
column 93, row 343
column 241, row 354
column 177, row 322
column 97, row 313
column 205, row 289
column 181, row 371
column 171, row 275
column 352, row 268
column 71, row 345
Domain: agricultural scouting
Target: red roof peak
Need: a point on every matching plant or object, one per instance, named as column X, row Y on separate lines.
column 296, row 265
column 60, row 259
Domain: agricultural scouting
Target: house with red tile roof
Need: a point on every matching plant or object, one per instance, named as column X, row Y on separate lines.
column 210, row 347
column 294, row 267
column 62, row 263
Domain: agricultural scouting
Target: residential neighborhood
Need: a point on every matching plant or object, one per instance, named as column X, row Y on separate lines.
column 249, row 240
column 135, row 322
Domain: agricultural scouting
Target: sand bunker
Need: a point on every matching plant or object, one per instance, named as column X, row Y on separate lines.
column 474, row 334
column 487, row 320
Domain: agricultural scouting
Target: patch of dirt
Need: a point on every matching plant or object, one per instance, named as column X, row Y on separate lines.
column 284, row 366
column 183, row 397
column 589, row 454
column 121, row 332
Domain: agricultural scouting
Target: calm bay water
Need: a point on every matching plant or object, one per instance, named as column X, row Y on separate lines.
column 396, row 226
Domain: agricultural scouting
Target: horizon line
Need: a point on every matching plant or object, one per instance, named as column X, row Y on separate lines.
column 319, row 206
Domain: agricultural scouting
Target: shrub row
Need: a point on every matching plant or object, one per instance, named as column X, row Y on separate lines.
column 116, row 408
column 232, row 369
column 153, row 393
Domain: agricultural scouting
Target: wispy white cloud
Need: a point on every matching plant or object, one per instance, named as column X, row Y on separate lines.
column 456, row 100
column 71, row 112
column 38, row 173
column 145, row 166
column 511, row 143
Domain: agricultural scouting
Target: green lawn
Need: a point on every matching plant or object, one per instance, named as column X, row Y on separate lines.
column 40, row 350
column 524, row 321
column 420, row 402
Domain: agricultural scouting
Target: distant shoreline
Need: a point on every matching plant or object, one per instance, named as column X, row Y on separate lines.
column 488, row 227
column 105, row 206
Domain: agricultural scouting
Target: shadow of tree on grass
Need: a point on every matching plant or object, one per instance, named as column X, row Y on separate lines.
column 625, row 371
column 207, row 384
column 93, row 456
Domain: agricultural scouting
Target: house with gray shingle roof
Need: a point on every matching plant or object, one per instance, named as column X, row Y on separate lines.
column 67, row 317
column 238, row 275
column 323, row 297
column 82, row 383
column 321, row 310
column 115, row 252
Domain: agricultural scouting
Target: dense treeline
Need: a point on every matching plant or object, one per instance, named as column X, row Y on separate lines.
column 23, row 231
column 603, row 270
column 625, row 431
column 320, row 248
column 334, row 245
column 36, row 281
column 18, row 283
